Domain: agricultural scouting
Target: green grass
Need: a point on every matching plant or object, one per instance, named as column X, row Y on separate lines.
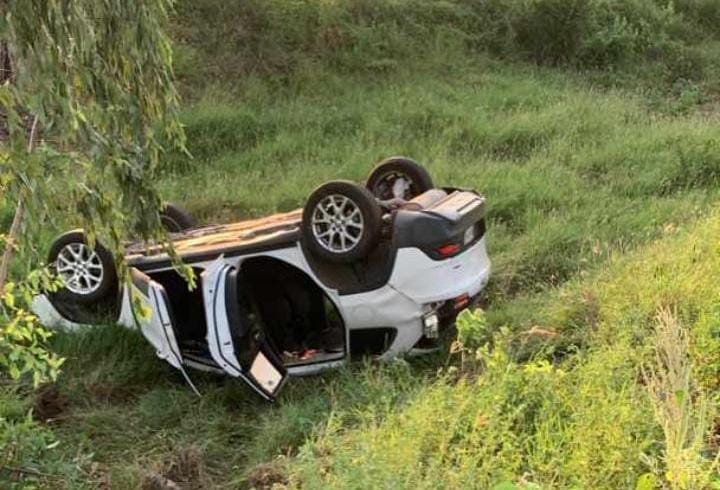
column 601, row 186
column 574, row 177
column 571, row 174
column 642, row 43
column 584, row 421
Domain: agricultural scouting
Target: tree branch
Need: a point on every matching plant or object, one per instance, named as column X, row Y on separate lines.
column 30, row 471
column 17, row 220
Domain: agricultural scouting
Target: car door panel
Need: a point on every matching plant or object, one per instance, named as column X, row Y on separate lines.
column 152, row 313
column 219, row 339
column 236, row 345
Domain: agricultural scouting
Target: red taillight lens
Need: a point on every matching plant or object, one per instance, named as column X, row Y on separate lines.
column 461, row 302
column 448, row 250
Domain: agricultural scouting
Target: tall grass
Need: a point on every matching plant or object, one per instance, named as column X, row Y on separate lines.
column 572, row 175
column 583, row 417
column 597, row 217
column 287, row 40
column 684, row 414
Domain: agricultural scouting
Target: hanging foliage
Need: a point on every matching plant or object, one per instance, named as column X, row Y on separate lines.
column 87, row 113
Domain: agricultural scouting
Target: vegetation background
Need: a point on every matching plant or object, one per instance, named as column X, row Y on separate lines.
column 592, row 127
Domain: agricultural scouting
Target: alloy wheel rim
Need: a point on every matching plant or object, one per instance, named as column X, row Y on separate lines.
column 80, row 268
column 337, row 223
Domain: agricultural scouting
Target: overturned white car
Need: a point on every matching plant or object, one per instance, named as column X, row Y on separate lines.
column 360, row 270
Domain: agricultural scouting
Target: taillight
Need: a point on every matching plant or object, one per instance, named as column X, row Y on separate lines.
column 448, row 250
column 461, row 302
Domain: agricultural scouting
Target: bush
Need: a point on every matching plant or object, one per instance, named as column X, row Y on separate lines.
column 551, row 31
column 591, row 33
column 278, row 38
column 704, row 14
column 683, row 64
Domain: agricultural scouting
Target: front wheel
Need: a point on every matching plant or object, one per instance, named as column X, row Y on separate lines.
column 88, row 274
column 341, row 222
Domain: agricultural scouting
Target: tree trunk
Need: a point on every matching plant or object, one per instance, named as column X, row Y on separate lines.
column 6, row 69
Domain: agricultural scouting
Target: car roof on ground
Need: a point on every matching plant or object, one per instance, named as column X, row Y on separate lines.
column 204, row 243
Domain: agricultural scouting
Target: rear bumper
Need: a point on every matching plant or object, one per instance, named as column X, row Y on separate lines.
column 425, row 280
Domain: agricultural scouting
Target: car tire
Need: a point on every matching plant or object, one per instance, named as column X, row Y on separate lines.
column 88, row 275
column 341, row 222
column 175, row 219
column 383, row 177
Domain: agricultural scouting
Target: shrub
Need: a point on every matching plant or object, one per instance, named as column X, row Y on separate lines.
column 278, row 38
column 551, row 31
column 472, row 329
column 704, row 14
column 683, row 63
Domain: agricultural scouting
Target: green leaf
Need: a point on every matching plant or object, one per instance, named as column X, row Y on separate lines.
column 506, row 485
column 9, row 300
column 646, row 481
column 104, row 86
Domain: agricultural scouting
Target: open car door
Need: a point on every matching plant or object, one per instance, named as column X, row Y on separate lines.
column 153, row 314
column 235, row 337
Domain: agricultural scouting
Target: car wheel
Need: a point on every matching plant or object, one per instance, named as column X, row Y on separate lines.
column 88, row 274
column 175, row 219
column 341, row 221
column 398, row 177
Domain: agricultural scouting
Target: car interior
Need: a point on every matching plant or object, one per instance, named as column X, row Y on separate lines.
column 294, row 314
column 298, row 318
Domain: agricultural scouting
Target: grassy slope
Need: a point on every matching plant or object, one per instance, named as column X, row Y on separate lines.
column 571, row 173
column 575, row 176
column 586, row 421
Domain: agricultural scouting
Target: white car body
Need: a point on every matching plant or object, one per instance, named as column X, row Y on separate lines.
column 406, row 301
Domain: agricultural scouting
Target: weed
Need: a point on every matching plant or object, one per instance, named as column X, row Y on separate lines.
column 586, row 419
column 684, row 414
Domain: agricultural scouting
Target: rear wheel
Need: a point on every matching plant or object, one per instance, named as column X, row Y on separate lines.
column 175, row 219
column 88, row 274
column 398, row 177
column 341, row 222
